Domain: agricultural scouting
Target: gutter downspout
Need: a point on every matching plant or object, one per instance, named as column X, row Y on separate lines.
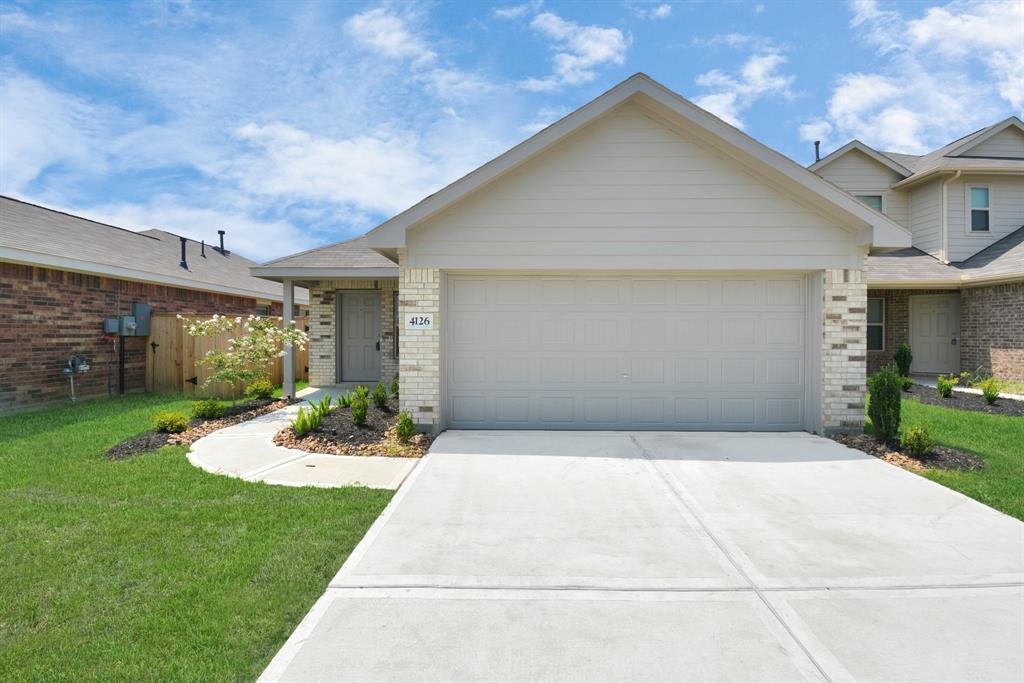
column 945, row 215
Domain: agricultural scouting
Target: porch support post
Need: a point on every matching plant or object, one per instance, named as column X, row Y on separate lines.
column 288, row 360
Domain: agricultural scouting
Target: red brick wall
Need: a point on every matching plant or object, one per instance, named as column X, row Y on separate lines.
column 46, row 316
column 992, row 330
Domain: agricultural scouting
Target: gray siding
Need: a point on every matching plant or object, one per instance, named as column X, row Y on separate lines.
column 1007, row 143
column 1006, row 196
column 630, row 192
column 857, row 173
column 926, row 216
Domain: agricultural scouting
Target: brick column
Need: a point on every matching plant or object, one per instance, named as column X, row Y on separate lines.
column 419, row 362
column 322, row 332
column 844, row 350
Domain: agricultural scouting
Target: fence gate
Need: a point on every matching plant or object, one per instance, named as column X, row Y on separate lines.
column 172, row 358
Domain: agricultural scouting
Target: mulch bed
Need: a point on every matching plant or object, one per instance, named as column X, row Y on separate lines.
column 338, row 435
column 150, row 441
column 941, row 457
column 961, row 401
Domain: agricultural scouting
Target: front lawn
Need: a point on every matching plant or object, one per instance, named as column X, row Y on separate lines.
column 149, row 568
column 996, row 439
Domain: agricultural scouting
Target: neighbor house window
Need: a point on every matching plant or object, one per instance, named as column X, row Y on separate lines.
column 872, row 200
column 263, row 309
column 979, row 199
column 876, row 324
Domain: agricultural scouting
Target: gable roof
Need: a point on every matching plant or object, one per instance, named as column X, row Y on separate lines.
column 856, row 145
column 36, row 235
column 351, row 258
column 1001, row 260
column 875, row 227
column 951, row 157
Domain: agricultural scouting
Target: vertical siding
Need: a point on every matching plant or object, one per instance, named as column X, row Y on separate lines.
column 1008, row 143
column 857, row 173
column 626, row 192
column 1006, row 198
column 925, row 208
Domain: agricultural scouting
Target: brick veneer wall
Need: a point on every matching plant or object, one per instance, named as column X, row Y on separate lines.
column 896, row 328
column 46, row 316
column 992, row 330
column 843, row 351
column 323, row 345
column 420, row 350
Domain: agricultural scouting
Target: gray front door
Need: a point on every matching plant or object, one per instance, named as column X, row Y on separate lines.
column 359, row 336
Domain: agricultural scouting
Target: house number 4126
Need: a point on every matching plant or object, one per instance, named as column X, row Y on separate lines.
column 419, row 322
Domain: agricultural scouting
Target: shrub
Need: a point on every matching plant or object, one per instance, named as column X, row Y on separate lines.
column 903, row 359
column 170, row 422
column 884, row 408
column 361, row 391
column 260, row 388
column 380, row 396
column 306, row 422
column 207, row 409
column 345, row 400
column 322, row 407
column 404, row 427
column 917, row 442
column 945, row 385
column 358, row 409
column 394, row 387
column 990, row 387
column 907, row 383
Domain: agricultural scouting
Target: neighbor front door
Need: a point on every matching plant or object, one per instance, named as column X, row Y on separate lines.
column 935, row 333
column 359, row 336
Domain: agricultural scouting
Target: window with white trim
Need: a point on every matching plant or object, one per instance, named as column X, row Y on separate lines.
column 872, row 200
column 876, row 324
column 978, row 197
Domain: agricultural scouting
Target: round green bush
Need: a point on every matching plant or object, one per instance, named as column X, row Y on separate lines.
column 886, row 387
column 260, row 388
column 404, row 427
column 207, row 409
column 917, row 442
column 358, row 409
column 170, row 422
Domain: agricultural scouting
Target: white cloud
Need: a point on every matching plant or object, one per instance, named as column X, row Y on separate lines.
column 660, row 11
column 815, row 131
column 388, row 34
column 946, row 73
column 545, row 117
column 732, row 95
column 517, row 11
column 736, row 40
column 578, row 50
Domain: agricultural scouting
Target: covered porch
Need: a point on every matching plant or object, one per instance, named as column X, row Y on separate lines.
column 353, row 312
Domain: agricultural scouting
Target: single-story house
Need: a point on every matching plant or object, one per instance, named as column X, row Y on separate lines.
column 957, row 294
column 61, row 276
column 639, row 264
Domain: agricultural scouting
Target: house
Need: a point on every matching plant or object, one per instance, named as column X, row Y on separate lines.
column 61, row 276
column 638, row 264
column 957, row 294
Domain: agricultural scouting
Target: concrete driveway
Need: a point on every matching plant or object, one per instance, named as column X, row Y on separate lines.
column 615, row 556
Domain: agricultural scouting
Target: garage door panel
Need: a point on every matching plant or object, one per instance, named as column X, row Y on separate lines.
column 618, row 353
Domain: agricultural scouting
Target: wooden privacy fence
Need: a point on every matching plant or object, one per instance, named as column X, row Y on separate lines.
column 172, row 359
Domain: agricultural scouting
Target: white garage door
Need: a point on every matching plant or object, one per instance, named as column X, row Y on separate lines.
column 637, row 352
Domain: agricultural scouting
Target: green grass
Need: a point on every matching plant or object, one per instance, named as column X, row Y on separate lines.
column 299, row 386
column 149, row 568
column 996, row 439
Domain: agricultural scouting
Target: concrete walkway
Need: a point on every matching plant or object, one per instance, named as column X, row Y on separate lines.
column 247, row 451
column 612, row 556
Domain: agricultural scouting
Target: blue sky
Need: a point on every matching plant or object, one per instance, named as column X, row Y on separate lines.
column 294, row 124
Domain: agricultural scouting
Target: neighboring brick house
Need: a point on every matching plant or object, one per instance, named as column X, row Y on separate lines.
column 62, row 275
column 957, row 295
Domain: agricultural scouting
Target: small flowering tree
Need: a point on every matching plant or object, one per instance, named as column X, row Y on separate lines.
column 248, row 356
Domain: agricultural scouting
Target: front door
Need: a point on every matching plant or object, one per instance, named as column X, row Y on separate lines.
column 935, row 333
column 359, row 336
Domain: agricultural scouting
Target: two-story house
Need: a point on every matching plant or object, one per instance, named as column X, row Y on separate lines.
column 957, row 295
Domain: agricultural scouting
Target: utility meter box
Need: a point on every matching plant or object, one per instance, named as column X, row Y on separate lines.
column 110, row 326
column 126, row 325
column 142, row 314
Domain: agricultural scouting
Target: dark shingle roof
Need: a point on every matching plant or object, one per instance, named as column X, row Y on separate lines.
column 1004, row 258
column 38, row 232
column 351, row 253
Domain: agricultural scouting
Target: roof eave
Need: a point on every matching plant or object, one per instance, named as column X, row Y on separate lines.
column 857, row 145
column 282, row 273
column 942, row 170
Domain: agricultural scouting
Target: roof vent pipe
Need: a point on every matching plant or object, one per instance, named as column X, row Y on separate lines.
column 202, row 248
column 184, row 263
column 221, row 233
column 817, row 150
